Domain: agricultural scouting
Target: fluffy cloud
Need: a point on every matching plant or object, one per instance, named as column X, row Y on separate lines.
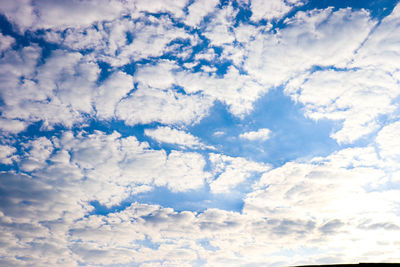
column 238, row 91
column 197, row 10
column 381, row 49
column 12, row 126
column 110, row 93
column 146, row 105
column 57, row 93
column 328, row 201
column 27, row 14
column 388, row 142
column 128, row 163
column 38, row 151
column 7, row 154
column 231, row 171
column 5, row 42
column 317, row 37
column 357, row 97
column 272, row 9
column 260, row 134
column 220, row 30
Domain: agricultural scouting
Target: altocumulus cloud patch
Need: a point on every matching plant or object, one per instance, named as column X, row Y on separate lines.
column 199, row 133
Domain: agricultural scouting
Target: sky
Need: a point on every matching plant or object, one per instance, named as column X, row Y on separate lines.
column 199, row 132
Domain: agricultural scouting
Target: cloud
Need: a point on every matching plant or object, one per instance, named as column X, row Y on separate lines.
column 5, row 42
column 12, row 126
column 159, row 6
column 147, row 105
column 312, row 38
column 197, row 10
column 388, row 142
column 380, row 49
column 7, row 154
column 26, row 14
column 220, row 29
column 357, row 97
column 55, row 93
column 38, row 152
column 231, row 171
column 261, row 134
column 174, row 136
column 238, row 91
column 274, row 9
column 321, row 188
column 110, row 93
column 151, row 37
column 219, row 133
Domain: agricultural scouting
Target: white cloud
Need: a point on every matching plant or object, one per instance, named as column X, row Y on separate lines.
column 261, row 134
column 39, row 151
column 174, row 136
column 198, row 9
column 12, row 126
column 5, row 42
column 231, row 171
column 334, row 196
column 219, row 133
column 238, row 91
column 7, row 154
column 45, row 14
column 220, row 29
column 20, row 12
column 147, row 105
column 317, row 37
column 158, row 76
column 110, row 93
column 381, row 49
column 129, row 163
column 56, row 92
column 151, row 37
column 388, row 142
column 273, row 9
column 356, row 96
column 160, row 6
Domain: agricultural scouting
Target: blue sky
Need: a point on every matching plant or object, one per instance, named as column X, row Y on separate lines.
column 199, row 133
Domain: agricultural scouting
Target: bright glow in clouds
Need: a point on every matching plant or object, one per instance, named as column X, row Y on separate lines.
column 199, row 133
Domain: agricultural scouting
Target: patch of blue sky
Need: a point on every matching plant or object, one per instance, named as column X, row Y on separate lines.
column 293, row 135
column 193, row 200
column 205, row 243
column 378, row 9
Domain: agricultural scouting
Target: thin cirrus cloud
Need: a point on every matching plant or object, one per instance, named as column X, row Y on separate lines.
column 198, row 133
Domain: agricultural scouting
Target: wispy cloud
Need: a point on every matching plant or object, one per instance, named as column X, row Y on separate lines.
column 261, row 135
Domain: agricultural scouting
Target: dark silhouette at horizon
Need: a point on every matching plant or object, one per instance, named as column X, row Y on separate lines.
column 352, row 265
